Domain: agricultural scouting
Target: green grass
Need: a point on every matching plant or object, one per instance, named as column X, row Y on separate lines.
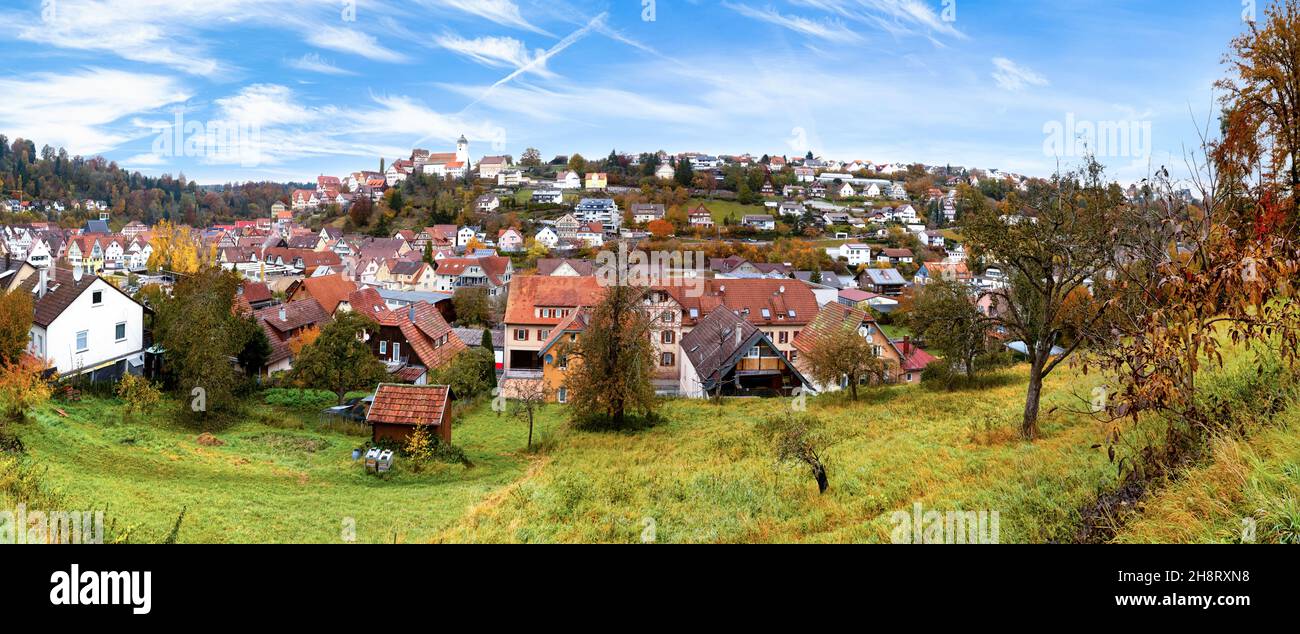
column 706, row 476
column 1256, row 479
column 724, row 209
column 703, row 475
column 276, row 478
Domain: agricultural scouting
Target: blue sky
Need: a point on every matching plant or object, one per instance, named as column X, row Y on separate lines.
column 331, row 86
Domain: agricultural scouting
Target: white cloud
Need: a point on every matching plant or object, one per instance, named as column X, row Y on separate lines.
column 314, row 63
column 896, row 17
column 82, row 110
column 498, row 52
column 827, row 30
column 1014, row 77
column 351, row 40
column 503, row 12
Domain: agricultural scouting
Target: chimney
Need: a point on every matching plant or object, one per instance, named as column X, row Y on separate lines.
column 284, row 314
column 42, row 283
column 907, row 344
column 411, row 313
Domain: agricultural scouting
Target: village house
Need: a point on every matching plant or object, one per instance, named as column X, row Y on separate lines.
column 854, row 253
column 536, row 306
column 490, row 167
column 759, row 222
column 887, row 282
column 726, row 353
column 414, row 340
column 597, row 180
column 548, row 196
column 895, row 256
column 701, row 217
column 903, row 365
column 285, row 323
column 82, row 325
column 951, row 271
column 510, row 240
column 643, row 213
column 492, row 273
column 568, row 180
column 547, row 236
column 487, row 203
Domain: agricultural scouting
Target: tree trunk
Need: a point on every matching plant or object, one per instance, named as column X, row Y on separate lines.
column 819, row 472
column 530, row 430
column 853, row 388
column 1029, row 424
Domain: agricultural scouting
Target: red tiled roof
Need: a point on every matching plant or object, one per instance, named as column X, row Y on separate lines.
column 367, row 301
column 256, row 292
column 779, row 297
column 410, row 405
column 329, row 290
column 429, row 335
column 832, row 317
column 543, row 291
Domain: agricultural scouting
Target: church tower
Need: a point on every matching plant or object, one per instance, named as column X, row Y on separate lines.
column 462, row 151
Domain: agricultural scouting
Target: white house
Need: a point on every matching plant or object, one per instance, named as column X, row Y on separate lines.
column 665, row 172
column 548, row 237
column 856, row 253
column 84, row 325
column 568, row 180
column 464, row 235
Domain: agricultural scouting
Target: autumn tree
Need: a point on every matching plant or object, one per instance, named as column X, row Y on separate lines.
column 138, row 394
column 842, row 354
column 178, row 249
column 612, row 362
column 1064, row 235
column 201, row 335
column 943, row 313
column 339, row 360
column 472, row 306
column 532, row 157
column 15, row 324
column 22, row 387
column 800, row 439
column 472, row 372
column 1261, row 102
column 660, row 228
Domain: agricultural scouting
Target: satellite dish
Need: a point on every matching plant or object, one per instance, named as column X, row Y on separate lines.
column 76, row 273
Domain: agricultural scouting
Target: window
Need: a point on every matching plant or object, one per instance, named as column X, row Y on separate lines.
column 97, row 298
column 794, row 356
column 753, row 353
column 784, row 336
column 563, row 395
column 83, row 342
column 668, row 336
column 767, row 314
column 668, row 316
column 695, row 313
column 543, row 335
column 383, row 347
column 909, row 377
column 521, row 334
column 546, row 313
column 667, row 360
column 397, row 350
column 119, row 332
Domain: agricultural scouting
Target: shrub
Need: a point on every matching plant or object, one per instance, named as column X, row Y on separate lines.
column 300, row 399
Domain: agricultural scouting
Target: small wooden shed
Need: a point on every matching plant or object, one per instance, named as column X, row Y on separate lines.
column 398, row 409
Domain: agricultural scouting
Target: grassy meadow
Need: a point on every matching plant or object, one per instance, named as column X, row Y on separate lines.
column 702, row 475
